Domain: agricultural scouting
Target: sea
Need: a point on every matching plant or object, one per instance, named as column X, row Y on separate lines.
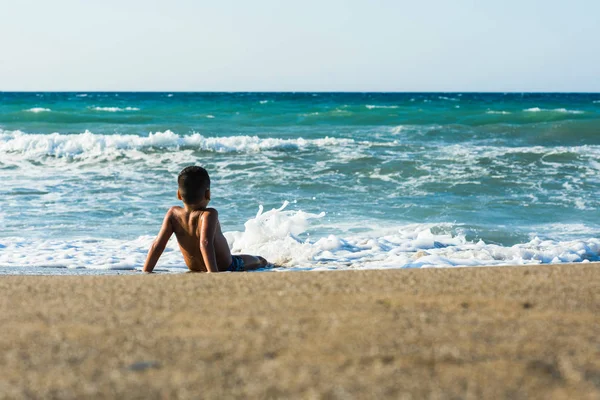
column 310, row 181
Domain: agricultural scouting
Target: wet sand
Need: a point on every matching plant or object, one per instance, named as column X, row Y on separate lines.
column 504, row 332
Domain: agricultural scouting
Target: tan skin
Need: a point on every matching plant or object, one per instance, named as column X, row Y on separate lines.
column 198, row 233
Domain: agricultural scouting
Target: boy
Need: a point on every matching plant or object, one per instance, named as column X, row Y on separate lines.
column 198, row 231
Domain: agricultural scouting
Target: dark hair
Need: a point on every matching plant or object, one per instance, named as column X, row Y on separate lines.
column 193, row 182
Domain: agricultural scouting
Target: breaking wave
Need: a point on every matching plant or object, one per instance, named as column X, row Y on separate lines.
column 371, row 107
column 38, row 110
column 89, row 145
column 498, row 112
column 114, row 109
column 556, row 110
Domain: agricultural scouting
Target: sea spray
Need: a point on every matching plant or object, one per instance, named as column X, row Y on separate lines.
column 275, row 235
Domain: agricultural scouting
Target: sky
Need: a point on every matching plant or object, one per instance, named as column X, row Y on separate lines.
column 323, row 45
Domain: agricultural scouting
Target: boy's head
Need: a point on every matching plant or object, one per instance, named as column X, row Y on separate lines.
column 194, row 184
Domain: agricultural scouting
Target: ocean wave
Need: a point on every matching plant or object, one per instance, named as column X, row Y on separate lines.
column 556, row 110
column 38, row 110
column 498, row 112
column 371, row 107
column 114, row 109
column 90, row 145
column 278, row 235
column 448, row 98
column 475, row 152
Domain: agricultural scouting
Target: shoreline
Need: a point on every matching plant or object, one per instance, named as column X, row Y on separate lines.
column 479, row 332
column 66, row 271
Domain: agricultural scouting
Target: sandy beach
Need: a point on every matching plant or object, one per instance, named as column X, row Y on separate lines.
column 506, row 332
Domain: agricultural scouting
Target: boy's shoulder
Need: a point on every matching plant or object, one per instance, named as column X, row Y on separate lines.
column 174, row 210
column 177, row 210
column 212, row 212
column 208, row 215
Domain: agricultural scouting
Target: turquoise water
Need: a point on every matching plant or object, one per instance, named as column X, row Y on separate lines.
column 468, row 178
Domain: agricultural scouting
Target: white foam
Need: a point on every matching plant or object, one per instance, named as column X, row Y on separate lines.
column 264, row 101
column 397, row 130
column 498, row 112
column 371, row 107
column 114, row 109
column 394, row 177
column 580, row 204
column 38, row 110
column 462, row 164
column 89, row 145
column 564, row 110
column 556, row 110
column 408, row 129
column 275, row 234
column 80, row 253
column 81, row 95
column 562, row 231
column 279, row 235
column 448, row 98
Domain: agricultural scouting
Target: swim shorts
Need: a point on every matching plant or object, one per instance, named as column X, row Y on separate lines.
column 237, row 264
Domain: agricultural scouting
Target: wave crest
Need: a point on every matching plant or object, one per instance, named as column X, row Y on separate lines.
column 90, row 145
column 114, row 109
column 556, row 110
column 371, row 107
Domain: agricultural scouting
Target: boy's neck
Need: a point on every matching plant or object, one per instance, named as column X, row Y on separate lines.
column 195, row 207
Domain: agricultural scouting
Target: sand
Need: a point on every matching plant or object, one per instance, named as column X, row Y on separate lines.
column 504, row 332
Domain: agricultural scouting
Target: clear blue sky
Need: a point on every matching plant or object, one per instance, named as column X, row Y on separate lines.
column 307, row 45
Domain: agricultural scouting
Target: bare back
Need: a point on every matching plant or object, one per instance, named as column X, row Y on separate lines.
column 187, row 226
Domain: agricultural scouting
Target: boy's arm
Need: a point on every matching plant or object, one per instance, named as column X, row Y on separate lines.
column 208, row 230
column 159, row 244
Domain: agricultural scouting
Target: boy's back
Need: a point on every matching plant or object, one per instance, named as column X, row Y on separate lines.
column 186, row 226
column 198, row 231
